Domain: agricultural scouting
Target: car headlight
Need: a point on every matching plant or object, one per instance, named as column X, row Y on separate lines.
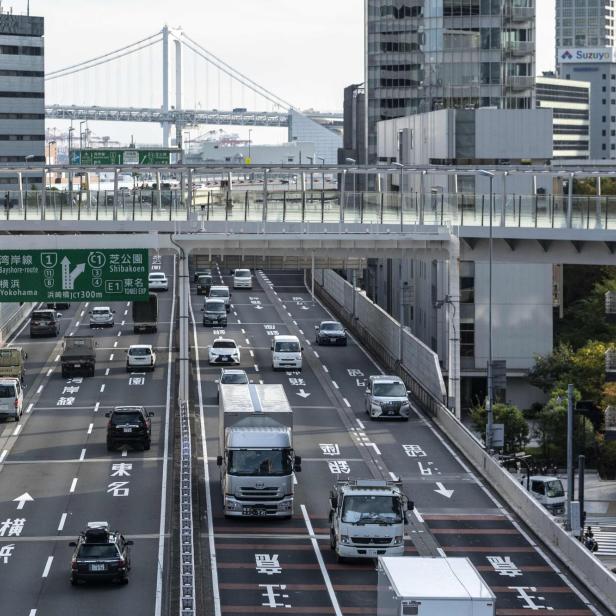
column 377, row 402
column 284, row 505
column 344, row 539
column 232, row 505
column 397, row 540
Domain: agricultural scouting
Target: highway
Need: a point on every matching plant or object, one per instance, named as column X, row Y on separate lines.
column 57, row 454
column 455, row 514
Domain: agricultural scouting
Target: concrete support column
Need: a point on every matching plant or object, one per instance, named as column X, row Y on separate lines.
column 265, row 195
column 179, row 87
column 159, row 195
column 504, row 201
column 342, row 191
column 44, row 195
column 453, row 313
column 598, row 217
column 570, row 201
column 115, row 193
column 422, row 197
column 20, row 184
column 189, row 190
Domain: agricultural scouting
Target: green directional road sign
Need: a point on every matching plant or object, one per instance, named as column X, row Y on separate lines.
column 73, row 275
column 127, row 156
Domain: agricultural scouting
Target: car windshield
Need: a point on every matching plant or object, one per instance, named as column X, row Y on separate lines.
column 95, row 550
column 260, row 462
column 100, row 311
column 224, row 344
column 157, row 276
column 287, row 347
column 43, row 316
column 215, row 307
column 205, row 280
column 390, row 390
column 234, row 379
column 7, row 391
column 242, row 273
column 554, row 488
column 219, row 293
column 134, row 417
column 140, row 351
column 371, row 510
column 331, row 327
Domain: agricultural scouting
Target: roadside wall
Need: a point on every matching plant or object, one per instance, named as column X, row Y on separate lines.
column 11, row 315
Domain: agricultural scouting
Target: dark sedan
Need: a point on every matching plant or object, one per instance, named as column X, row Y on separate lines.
column 330, row 332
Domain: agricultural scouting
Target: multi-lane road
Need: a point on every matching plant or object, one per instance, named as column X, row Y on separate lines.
column 57, row 456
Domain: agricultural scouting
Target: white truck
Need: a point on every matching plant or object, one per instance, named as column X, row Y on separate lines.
column 257, row 461
column 548, row 490
column 423, row 586
column 367, row 518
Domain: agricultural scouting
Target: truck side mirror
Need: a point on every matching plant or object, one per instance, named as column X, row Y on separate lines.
column 316, row 327
column 25, row 355
column 107, row 414
column 301, row 348
column 150, row 413
column 59, row 315
column 297, row 464
column 219, row 460
column 272, row 347
column 410, row 506
column 333, row 501
column 73, row 544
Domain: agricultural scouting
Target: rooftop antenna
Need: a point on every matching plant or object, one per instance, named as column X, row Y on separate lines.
column 28, row 8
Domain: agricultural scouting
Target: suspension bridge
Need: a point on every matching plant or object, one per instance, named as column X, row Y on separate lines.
column 135, row 84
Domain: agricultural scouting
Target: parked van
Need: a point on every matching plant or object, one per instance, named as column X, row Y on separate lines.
column 11, row 398
column 286, row 352
column 12, row 362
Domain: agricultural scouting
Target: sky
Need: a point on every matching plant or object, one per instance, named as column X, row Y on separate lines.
column 305, row 52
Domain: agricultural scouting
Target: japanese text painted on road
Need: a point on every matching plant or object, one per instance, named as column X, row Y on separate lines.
column 73, row 275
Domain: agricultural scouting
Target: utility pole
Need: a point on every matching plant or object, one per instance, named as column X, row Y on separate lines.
column 570, row 484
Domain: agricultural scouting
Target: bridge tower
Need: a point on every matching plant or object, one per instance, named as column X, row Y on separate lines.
column 177, row 38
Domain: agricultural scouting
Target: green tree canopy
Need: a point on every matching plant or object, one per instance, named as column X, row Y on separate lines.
column 516, row 427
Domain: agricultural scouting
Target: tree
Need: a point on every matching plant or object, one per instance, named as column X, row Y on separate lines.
column 551, row 370
column 607, row 461
column 516, row 428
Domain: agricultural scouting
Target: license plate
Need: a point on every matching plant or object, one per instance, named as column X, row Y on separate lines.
column 226, row 359
column 332, row 340
column 259, row 511
column 128, row 429
column 76, row 365
column 98, row 567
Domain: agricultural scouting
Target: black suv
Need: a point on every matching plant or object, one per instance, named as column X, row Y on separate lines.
column 203, row 272
column 44, row 323
column 330, row 332
column 129, row 425
column 204, row 282
column 100, row 554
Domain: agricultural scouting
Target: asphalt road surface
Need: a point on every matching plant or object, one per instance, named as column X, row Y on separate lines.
column 455, row 514
column 57, row 454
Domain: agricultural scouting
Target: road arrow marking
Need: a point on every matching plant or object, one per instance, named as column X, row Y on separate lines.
column 22, row 500
column 302, row 393
column 443, row 490
column 258, row 307
column 305, row 308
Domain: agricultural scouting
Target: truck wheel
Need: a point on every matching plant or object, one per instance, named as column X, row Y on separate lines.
column 146, row 445
column 17, row 416
column 332, row 540
column 92, row 371
column 64, row 374
column 110, row 446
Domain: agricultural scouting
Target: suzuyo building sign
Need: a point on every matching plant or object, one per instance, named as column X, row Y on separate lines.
column 73, row 275
column 586, row 55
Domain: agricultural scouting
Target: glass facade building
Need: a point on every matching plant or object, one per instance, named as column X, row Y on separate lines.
column 423, row 55
column 585, row 23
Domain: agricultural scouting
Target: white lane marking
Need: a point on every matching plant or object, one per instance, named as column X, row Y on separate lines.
column 123, row 322
column 96, row 407
column 87, row 304
column 124, row 453
column 102, row 388
column 316, row 354
column 441, row 552
column 234, row 313
column 289, row 314
column 77, row 323
column 324, row 573
column 32, row 613
column 107, row 372
column 163, row 492
column 125, row 312
column 17, row 430
column 115, row 344
column 325, row 368
column 308, row 343
column 418, row 516
column 29, row 407
column 239, row 322
column 119, row 333
column 90, row 427
column 247, row 341
column 3, row 455
column 360, row 424
column 346, row 402
column 243, row 331
column 256, row 368
column 294, row 479
column 261, row 381
column 72, row 334
column 376, row 449
column 47, row 566
column 393, row 476
column 62, row 521
column 82, row 313
column 294, row 322
column 111, row 357
column 73, row 485
column 57, row 358
column 82, row 457
column 251, row 353
column 301, row 332
column 206, row 475
column 49, row 371
column 335, row 384
column 40, row 389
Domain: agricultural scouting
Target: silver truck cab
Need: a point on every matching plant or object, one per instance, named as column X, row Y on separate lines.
column 387, row 397
column 221, row 292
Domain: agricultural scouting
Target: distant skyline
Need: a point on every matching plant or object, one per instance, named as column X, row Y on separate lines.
column 304, row 52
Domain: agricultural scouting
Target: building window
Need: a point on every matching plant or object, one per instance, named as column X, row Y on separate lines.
column 467, row 339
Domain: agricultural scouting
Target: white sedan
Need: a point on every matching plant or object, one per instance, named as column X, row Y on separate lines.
column 224, row 351
column 140, row 356
column 157, row 281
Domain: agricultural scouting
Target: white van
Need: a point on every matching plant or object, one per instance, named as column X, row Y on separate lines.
column 11, row 398
column 242, row 279
column 286, row 352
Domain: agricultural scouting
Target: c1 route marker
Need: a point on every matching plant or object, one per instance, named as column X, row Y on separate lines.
column 443, row 490
column 22, row 500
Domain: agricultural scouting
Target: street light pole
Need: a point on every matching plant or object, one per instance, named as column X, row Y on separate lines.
column 490, row 404
column 401, row 167
column 322, row 174
column 249, row 140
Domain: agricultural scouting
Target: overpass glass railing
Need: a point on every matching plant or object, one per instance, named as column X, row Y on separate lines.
column 316, row 206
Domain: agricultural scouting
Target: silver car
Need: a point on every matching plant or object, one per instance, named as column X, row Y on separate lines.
column 101, row 316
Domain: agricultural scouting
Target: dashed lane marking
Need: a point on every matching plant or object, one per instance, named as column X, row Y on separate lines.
column 3, row 455
column 90, row 427
column 96, row 407
column 73, row 485
column 256, row 368
column 325, row 368
column 17, row 430
column 40, row 389
column 119, row 333
column 335, row 384
column 57, row 358
column 62, row 522
column 29, row 407
column 115, row 344
column 83, row 455
column 47, row 566
column 111, row 357
column 102, row 388
column 360, row 423
column 107, row 372
column 49, row 372
column 346, row 402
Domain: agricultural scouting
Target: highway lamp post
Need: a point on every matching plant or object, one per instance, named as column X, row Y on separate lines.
column 352, row 161
column 311, row 159
column 490, row 400
column 81, row 135
column 322, row 174
column 401, row 167
column 70, row 173
column 249, row 141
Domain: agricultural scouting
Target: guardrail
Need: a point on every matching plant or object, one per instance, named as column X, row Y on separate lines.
column 578, row 558
column 454, row 209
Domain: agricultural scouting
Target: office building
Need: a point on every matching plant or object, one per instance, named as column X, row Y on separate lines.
column 22, row 95
column 427, row 55
column 570, row 104
column 354, row 133
column 585, row 23
column 598, row 67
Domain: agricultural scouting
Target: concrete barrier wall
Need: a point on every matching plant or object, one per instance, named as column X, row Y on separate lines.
column 378, row 331
column 418, row 359
column 11, row 315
